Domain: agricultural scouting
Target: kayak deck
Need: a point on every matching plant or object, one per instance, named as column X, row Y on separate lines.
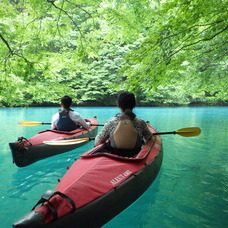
column 100, row 185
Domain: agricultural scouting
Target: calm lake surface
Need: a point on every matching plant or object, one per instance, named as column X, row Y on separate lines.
column 191, row 189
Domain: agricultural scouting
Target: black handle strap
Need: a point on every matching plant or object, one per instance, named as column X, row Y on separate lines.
column 47, row 196
column 21, row 141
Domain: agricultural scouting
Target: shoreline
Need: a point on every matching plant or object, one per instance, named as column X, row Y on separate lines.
column 138, row 105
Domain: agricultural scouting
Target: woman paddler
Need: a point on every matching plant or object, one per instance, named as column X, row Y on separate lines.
column 125, row 132
column 66, row 119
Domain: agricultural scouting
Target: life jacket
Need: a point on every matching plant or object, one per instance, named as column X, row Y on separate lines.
column 65, row 123
column 125, row 135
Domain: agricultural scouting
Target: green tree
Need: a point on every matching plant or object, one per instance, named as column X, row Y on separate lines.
column 168, row 52
column 185, row 44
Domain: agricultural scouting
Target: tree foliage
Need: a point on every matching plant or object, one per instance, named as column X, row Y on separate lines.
column 185, row 48
column 167, row 52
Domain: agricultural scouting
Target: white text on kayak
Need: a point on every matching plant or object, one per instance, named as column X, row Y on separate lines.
column 120, row 177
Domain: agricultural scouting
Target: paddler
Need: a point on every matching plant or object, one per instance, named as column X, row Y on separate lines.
column 125, row 132
column 66, row 119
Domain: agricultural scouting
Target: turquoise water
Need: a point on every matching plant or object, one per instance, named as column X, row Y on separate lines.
column 190, row 190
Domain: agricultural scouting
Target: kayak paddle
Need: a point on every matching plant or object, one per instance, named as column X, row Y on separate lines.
column 67, row 142
column 31, row 123
column 27, row 123
column 186, row 132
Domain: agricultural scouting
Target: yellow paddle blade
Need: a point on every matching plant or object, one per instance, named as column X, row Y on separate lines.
column 27, row 123
column 189, row 132
column 66, row 142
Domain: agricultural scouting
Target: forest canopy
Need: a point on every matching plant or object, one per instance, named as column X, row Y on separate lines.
column 168, row 52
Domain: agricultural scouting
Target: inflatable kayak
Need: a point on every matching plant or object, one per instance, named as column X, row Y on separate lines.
column 27, row 151
column 97, row 187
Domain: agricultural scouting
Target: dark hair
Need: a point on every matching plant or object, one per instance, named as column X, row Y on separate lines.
column 126, row 100
column 66, row 101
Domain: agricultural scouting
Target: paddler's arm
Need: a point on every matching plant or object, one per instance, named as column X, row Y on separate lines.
column 147, row 135
column 54, row 121
column 78, row 119
column 103, row 135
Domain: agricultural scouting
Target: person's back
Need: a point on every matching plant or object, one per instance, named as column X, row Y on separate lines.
column 65, row 123
column 66, row 119
column 125, row 135
column 125, row 132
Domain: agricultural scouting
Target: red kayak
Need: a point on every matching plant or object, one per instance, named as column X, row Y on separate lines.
column 97, row 187
column 27, row 151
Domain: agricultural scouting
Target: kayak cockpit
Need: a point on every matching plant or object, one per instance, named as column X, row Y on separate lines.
column 104, row 150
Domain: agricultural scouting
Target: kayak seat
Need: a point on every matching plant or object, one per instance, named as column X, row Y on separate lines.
column 122, row 152
column 124, row 136
column 107, row 149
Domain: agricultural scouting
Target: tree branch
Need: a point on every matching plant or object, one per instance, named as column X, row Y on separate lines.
column 158, row 61
column 52, row 2
column 90, row 15
column 71, row 18
column 58, row 23
column 181, row 32
column 198, row 41
column 11, row 52
column 7, row 44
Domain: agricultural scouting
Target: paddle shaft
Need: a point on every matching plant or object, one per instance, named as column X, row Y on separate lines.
column 186, row 132
column 157, row 133
column 35, row 123
column 165, row 133
column 90, row 125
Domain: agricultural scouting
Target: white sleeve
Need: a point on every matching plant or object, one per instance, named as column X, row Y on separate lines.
column 77, row 118
column 55, row 119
